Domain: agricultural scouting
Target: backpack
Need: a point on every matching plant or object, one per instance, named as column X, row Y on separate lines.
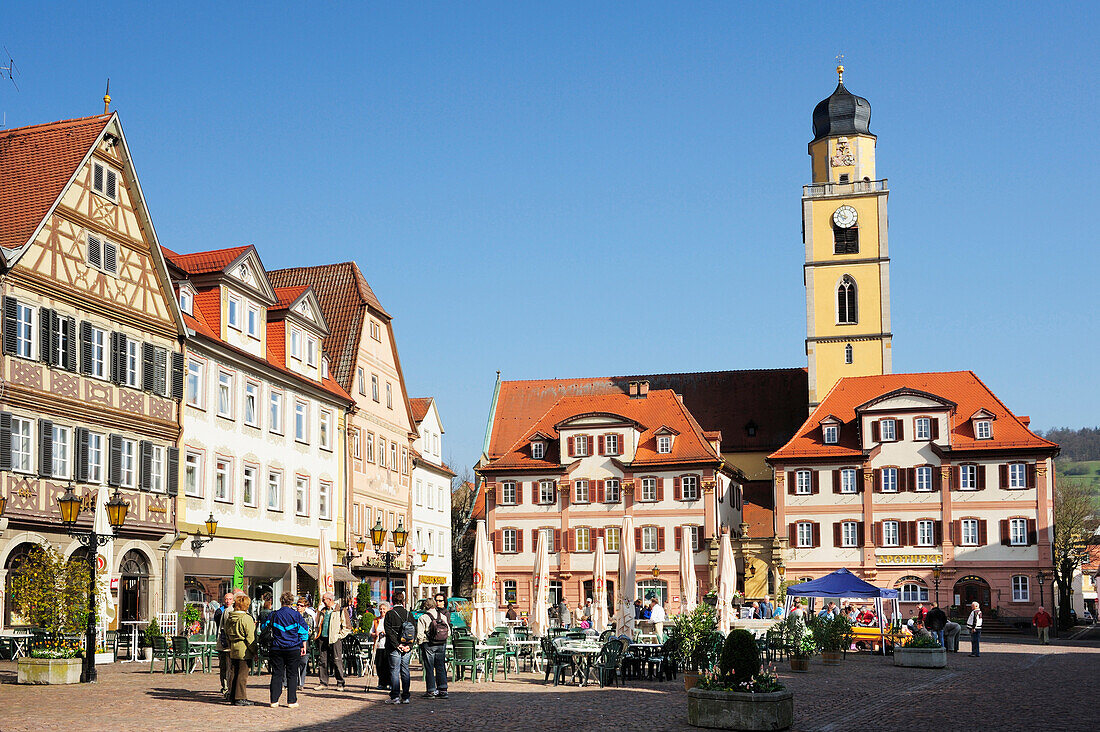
column 438, row 629
column 408, row 630
column 264, row 638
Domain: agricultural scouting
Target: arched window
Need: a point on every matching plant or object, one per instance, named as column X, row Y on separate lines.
column 656, row 587
column 848, row 355
column 913, row 592
column 15, row 566
column 134, row 586
column 846, row 300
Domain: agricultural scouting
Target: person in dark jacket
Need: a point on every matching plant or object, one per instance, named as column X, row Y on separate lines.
column 936, row 620
column 289, row 635
column 400, row 649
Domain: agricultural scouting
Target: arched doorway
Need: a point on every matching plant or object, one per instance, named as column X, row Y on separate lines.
column 973, row 588
column 15, row 567
column 133, row 594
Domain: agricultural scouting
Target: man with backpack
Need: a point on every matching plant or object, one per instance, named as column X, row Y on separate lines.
column 400, row 639
column 432, row 630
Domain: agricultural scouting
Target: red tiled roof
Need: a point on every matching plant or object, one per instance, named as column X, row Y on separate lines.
column 198, row 263
column 35, row 164
column 478, row 511
column 208, row 309
column 342, row 292
column 660, row 408
column 286, row 296
column 963, row 388
column 773, row 400
column 420, row 407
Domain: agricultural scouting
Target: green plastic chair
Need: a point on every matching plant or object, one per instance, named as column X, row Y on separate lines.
column 505, row 653
column 556, row 662
column 160, row 651
column 606, row 664
column 184, row 655
column 466, row 656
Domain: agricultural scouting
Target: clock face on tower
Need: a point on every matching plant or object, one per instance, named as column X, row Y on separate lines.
column 844, row 217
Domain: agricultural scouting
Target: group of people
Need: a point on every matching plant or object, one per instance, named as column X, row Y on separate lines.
column 286, row 633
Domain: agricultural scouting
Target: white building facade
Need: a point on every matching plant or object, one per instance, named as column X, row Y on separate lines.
column 431, row 503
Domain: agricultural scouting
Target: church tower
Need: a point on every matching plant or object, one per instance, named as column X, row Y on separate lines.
column 847, row 270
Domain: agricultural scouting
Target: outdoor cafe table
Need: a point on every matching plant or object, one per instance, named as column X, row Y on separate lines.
column 491, row 651
column 134, row 637
column 645, row 650
column 532, row 644
column 19, row 640
column 584, row 653
column 203, row 644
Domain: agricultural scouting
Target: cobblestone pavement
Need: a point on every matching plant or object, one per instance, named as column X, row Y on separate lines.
column 1015, row 685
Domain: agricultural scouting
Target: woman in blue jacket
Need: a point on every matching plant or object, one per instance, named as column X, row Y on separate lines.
column 289, row 635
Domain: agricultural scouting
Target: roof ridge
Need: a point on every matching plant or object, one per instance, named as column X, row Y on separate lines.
column 57, row 123
column 657, row 375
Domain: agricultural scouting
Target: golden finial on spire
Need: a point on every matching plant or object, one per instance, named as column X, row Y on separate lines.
column 840, row 67
column 107, row 98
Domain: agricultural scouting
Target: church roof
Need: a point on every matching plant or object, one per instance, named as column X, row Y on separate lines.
column 842, row 113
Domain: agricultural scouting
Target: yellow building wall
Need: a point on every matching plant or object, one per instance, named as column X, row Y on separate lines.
column 867, row 221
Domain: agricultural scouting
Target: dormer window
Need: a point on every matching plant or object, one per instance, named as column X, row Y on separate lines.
column 295, row 343
column 187, row 302
column 252, row 321
column 831, row 433
column 888, row 430
column 324, row 367
column 538, row 449
column 234, row 317
column 311, row 351
column 983, row 429
column 664, row 444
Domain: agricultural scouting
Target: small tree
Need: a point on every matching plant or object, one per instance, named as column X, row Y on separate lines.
column 50, row 592
column 1074, row 508
column 740, row 659
column 693, row 637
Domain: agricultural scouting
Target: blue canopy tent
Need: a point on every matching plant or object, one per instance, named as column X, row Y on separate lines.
column 842, row 584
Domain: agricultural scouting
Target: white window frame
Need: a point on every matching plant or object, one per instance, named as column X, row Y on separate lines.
column 1017, row 475
column 612, row 490
column 296, row 344
column 922, row 428
column 508, row 492
column 508, row 543
column 196, row 381
column 251, row 402
column 924, row 477
column 275, row 411
column 582, row 539
column 803, row 482
column 926, row 532
column 580, row 446
column 389, row 395
column 223, row 480
column 538, row 449
column 128, row 473
column 983, row 429
column 830, row 433
column 649, row 539
column 968, row 477
column 893, row 431
column 311, row 351
column 301, row 421
column 96, row 462
column 968, row 528
column 664, row 444
column 611, row 445
column 192, row 467
column 274, row 490
column 369, row 455
column 133, row 364
column 24, row 330
column 324, row 428
column 1017, row 538
column 375, row 331
column 233, row 312
column 804, row 535
column 374, row 388
column 187, row 301
column 361, row 377
column 849, row 534
column 913, row 592
column 157, row 482
column 546, row 492
column 250, row 473
column 649, row 490
column 581, row 492
column 890, row 480
column 99, row 353
column 1021, row 588
column 301, row 495
column 225, row 394
column 612, row 536
column 22, row 454
column 692, row 482
column 106, row 173
column 548, row 532
column 61, row 463
column 849, row 481
column 381, row 451
column 252, row 321
column 324, row 500
column 393, row 455
column 890, row 533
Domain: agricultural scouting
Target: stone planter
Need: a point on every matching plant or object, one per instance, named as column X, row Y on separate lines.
column 740, row 710
column 801, row 665
column 832, row 658
column 920, row 657
column 106, row 657
column 690, row 680
column 49, row 670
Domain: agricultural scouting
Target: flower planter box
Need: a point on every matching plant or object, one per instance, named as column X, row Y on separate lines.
column 832, row 658
column 740, row 710
column 49, row 670
column 920, row 657
column 801, row 665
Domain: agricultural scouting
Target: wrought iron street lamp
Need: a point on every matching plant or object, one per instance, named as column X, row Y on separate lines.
column 69, row 504
column 198, row 541
column 936, row 572
column 1041, row 576
column 378, row 538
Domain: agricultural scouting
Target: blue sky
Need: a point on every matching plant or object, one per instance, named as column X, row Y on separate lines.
column 563, row 190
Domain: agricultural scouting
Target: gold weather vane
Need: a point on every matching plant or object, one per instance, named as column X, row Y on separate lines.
column 107, row 98
column 840, row 67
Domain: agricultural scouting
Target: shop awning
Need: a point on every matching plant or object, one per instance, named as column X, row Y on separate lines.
column 340, row 573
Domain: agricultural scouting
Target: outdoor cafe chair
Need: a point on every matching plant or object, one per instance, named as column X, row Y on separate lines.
column 353, row 661
column 556, row 662
column 505, row 653
column 606, row 664
column 160, row 652
column 184, row 655
column 661, row 663
column 467, row 657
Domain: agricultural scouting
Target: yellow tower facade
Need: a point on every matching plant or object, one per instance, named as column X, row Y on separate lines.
column 847, row 269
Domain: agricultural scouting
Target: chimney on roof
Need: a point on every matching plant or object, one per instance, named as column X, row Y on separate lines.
column 1025, row 420
column 633, row 389
column 643, row 388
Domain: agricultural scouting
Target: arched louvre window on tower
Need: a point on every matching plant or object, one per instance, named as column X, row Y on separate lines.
column 846, row 300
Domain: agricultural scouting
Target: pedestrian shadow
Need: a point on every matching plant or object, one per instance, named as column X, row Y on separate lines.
column 187, row 695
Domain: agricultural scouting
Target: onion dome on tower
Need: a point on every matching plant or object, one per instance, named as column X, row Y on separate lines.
column 842, row 113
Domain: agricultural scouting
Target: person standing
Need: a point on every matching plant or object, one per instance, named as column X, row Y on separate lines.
column 563, row 613
column 400, row 638
column 265, row 609
column 638, row 609
column 657, row 616
column 974, row 625
column 240, row 630
column 432, row 630
column 289, row 635
column 332, row 627
column 381, row 655
column 1041, row 621
column 303, row 661
column 936, row 620
column 221, row 615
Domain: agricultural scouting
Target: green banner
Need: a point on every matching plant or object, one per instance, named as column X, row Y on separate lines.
column 238, row 573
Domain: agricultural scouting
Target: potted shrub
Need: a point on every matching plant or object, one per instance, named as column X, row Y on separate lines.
column 192, row 619
column 711, row 598
column 799, row 642
column 693, row 640
column 151, row 631
column 739, row 694
column 834, row 636
column 920, row 651
column 51, row 593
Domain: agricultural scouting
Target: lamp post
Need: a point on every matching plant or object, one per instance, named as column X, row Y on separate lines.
column 198, row 541
column 378, row 538
column 69, row 503
column 1041, row 576
column 936, row 572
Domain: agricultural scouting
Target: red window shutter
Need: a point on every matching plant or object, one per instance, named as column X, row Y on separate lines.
column 937, row 478
column 836, row 481
column 956, row 477
column 983, row 532
column 557, row 540
column 569, row 446
column 836, row 534
column 535, row 492
column 816, row 533
column 519, row 540
column 899, row 425
column 876, row 533
column 1006, row 536
column 1030, row 475
column 980, row 470
column 621, row 448
column 1032, row 533
column 813, row 481
column 599, row 445
column 661, row 538
column 599, row 491
column 498, row 494
column 935, row 428
column 903, row 533
column 676, row 536
column 1004, row 476
column 791, row 484
column 638, row 538
column 859, row 533
column 555, row 492
column 677, row 494
column 534, row 539
column 956, row 532
column 878, row 480
column 571, row 540
column 911, row 478
column 660, row 489
column 937, row 533
column 903, row 480
column 498, row 540
column 912, row 533
column 876, row 435
column 589, row 443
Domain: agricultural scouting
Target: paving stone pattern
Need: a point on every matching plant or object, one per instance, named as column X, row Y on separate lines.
column 1015, row 685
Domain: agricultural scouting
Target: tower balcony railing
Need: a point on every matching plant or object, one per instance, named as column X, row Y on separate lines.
column 823, row 190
